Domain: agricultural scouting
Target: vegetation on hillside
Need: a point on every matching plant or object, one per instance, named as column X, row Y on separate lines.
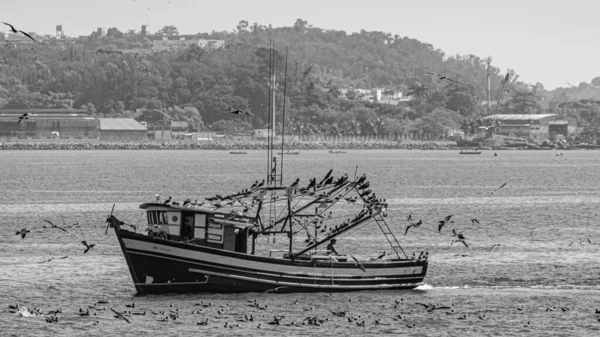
column 117, row 75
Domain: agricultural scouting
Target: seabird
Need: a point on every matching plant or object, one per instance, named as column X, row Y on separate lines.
column 120, row 315
column 415, row 225
column 167, row 201
column 12, row 29
column 24, row 117
column 497, row 244
column 358, row 264
column 23, row 232
column 87, row 247
column 460, row 240
column 53, row 225
column 443, row 222
column 475, row 221
column 409, row 217
column 494, row 191
column 238, row 111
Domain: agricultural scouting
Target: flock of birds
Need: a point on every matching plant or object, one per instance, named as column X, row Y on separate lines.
column 459, row 236
column 24, row 231
column 259, row 315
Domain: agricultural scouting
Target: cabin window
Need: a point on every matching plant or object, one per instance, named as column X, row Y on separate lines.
column 215, row 232
column 157, row 218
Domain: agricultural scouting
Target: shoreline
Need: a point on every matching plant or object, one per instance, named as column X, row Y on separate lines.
column 259, row 145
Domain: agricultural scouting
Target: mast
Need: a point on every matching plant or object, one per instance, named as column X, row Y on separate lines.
column 283, row 117
column 269, row 113
column 489, row 86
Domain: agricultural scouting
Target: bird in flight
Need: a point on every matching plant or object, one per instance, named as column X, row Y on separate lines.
column 443, row 222
column 53, row 225
column 24, row 117
column 474, row 221
column 120, row 315
column 415, row 225
column 238, row 111
column 443, row 77
column 50, row 259
column 358, row 264
column 497, row 244
column 87, row 247
column 460, row 240
column 494, row 191
column 12, row 29
column 23, row 232
column 459, row 235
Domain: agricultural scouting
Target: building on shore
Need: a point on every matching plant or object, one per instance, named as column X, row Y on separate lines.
column 66, row 124
column 180, row 42
column 535, row 127
column 168, row 130
column 47, row 123
column 120, row 129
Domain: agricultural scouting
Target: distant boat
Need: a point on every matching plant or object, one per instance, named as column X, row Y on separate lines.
column 469, row 151
column 238, row 152
column 336, row 151
column 289, row 153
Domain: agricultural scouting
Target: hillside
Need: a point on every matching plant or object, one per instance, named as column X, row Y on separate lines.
column 198, row 85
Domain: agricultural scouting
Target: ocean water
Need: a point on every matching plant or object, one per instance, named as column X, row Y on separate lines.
column 542, row 279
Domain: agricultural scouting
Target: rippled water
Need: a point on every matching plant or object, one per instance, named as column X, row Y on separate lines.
column 548, row 203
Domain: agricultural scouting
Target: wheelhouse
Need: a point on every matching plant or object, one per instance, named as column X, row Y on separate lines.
column 199, row 226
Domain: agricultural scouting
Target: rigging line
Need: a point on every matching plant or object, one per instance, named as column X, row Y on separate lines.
column 283, row 115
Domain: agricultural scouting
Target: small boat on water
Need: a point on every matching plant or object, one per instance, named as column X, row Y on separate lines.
column 238, row 152
column 336, row 151
column 288, row 152
column 469, row 151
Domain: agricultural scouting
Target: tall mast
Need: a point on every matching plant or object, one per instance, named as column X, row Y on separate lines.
column 283, row 117
column 489, row 87
column 269, row 113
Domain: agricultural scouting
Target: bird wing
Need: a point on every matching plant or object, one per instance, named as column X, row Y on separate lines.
column 425, row 305
column 432, row 73
column 53, row 225
column 29, row 36
column 85, row 243
column 442, row 223
column 11, row 26
column 448, row 217
column 407, row 227
column 464, row 243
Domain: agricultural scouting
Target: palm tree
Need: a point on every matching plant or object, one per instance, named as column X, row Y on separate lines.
column 418, row 90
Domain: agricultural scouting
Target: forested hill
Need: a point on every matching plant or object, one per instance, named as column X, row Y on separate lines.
column 118, row 75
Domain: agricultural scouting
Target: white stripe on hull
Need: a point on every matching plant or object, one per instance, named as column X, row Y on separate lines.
column 151, row 248
column 308, row 285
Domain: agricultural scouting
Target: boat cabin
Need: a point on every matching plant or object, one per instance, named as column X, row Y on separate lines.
column 199, row 226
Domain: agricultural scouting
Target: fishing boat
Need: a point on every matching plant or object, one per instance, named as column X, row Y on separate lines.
column 469, row 151
column 238, row 152
column 336, row 151
column 211, row 246
column 218, row 244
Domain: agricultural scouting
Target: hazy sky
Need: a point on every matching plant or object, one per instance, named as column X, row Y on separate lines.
column 547, row 41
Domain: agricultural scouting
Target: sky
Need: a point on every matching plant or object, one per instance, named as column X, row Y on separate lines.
column 553, row 42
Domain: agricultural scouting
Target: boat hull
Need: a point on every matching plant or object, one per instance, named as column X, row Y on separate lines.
column 163, row 266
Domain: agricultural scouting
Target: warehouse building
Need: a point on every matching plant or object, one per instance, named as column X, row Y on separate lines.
column 535, row 127
column 119, row 129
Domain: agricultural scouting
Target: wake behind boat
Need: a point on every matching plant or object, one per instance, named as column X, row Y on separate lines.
column 211, row 246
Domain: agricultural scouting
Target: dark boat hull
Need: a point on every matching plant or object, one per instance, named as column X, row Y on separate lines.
column 162, row 266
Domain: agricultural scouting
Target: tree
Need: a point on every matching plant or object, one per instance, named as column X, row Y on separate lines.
column 242, row 25
column 522, row 103
column 300, row 26
column 461, row 98
column 169, row 30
